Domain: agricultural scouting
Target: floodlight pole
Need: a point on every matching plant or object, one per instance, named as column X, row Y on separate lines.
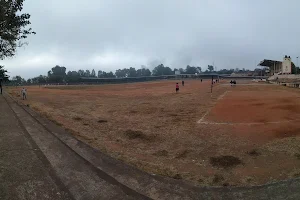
column 297, row 64
column 212, row 81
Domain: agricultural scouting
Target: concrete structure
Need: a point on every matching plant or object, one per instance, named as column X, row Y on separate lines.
column 177, row 72
column 278, row 67
column 286, row 65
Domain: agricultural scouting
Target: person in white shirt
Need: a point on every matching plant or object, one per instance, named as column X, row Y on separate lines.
column 24, row 93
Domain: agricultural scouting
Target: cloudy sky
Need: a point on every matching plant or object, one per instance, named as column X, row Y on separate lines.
column 112, row 34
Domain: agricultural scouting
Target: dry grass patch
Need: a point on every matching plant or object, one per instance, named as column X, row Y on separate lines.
column 253, row 152
column 132, row 134
column 225, row 161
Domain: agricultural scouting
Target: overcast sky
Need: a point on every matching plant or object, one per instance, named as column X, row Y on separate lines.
column 112, row 34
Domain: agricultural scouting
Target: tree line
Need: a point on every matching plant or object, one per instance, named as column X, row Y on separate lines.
column 59, row 74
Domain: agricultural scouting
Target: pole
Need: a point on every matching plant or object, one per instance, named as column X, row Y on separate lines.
column 297, row 64
column 212, row 81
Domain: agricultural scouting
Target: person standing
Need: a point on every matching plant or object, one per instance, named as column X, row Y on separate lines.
column 24, row 93
column 182, row 82
column 1, row 86
column 177, row 87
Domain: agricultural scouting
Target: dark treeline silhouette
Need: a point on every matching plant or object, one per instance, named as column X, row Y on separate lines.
column 59, row 74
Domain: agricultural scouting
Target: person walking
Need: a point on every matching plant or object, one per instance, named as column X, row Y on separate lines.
column 177, row 87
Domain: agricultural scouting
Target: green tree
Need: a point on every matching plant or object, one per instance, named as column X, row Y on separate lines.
column 29, row 81
column 191, row 70
column 199, row 69
column 162, row 70
column 57, row 74
column 108, row 75
column 131, row 72
column 143, row 72
column 87, row 73
column 295, row 70
column 13, row 25
column 121, row 73
column 93, row 74
column 100, row 74
column 72, row 77
column 18, row 80
column 3, row 73
column 42, row 79
column 210, row 68
column 181, row 71
column 81, row 73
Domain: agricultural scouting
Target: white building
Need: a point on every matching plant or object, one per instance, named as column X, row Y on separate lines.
column 278, row 67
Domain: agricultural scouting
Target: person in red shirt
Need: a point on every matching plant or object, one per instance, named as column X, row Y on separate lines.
column 177, row 87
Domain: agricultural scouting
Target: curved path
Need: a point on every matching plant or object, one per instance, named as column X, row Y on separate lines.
column 74, row 170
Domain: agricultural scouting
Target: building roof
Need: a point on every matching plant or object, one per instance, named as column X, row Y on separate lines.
column 268, row 63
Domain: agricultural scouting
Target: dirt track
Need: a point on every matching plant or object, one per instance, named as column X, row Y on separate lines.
column 151, row 127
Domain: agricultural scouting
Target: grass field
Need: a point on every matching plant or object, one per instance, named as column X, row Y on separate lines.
column 241, row 135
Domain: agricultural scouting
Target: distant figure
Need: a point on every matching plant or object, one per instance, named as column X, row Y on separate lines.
column 182, row 82
column 201, row 80
column 177, row 87
column 24, row 94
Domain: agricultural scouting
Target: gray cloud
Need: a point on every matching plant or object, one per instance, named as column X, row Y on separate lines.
column 112, row 34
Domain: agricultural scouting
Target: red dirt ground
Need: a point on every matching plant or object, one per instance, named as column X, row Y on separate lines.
column 149, row 126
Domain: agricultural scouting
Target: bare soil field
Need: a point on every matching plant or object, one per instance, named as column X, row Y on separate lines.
column 247, row 134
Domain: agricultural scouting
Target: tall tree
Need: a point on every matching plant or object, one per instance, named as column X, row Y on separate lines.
column 131, row 72
column 143, row 72
column 42, row 79
column 121, row 73
column 191, row 70
column 87, row 73
column 100, row 74
column 93, row 74
column 18, row 80
column 210, row 68
column 81, row 73
column 181, row 71
column 13, row 25
column 3, row 74
column 199, row 69
column 57, row 74
column 162, row 70
column 72, row 77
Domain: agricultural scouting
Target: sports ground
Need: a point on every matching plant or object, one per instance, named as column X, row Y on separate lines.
column 238, row 135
